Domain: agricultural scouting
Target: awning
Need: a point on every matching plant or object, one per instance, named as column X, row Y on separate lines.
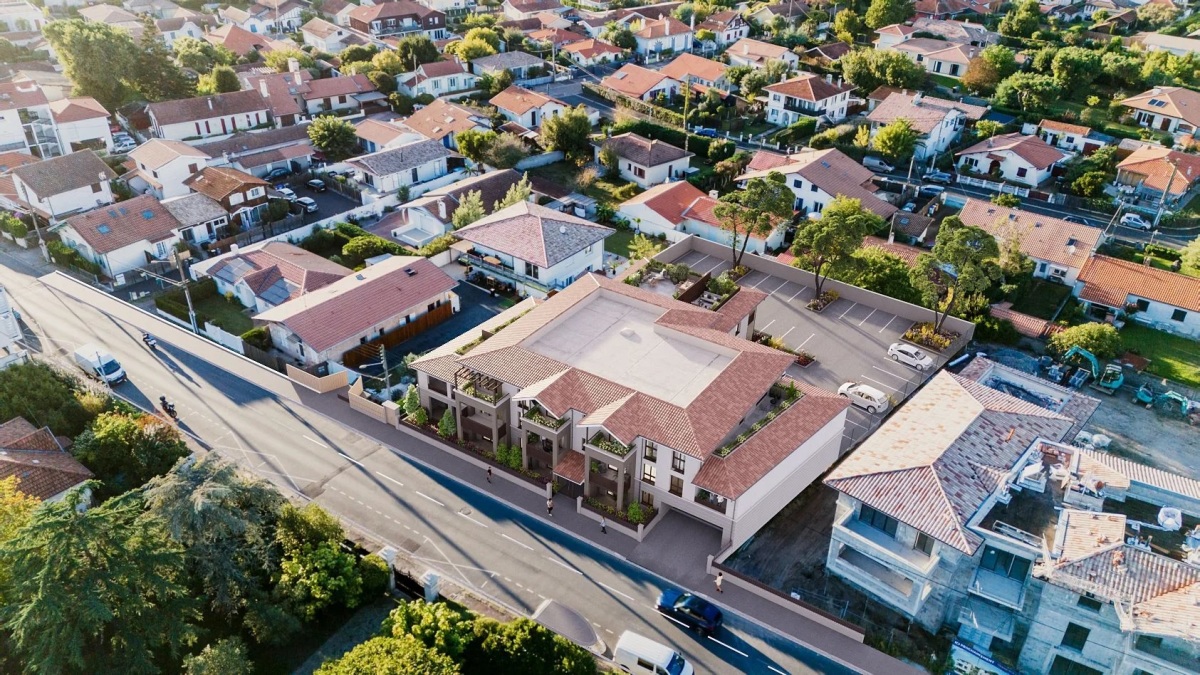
column 367, row 97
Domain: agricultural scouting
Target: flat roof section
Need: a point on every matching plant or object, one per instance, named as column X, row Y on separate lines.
column 616, row 338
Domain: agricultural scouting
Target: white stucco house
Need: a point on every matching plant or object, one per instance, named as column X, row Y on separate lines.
column 939, row 122
column 1027, row 160
column 817, row 176
column 525, row 107
column 81, row 122
column 645, row 162
column 208, row 116
column 1163, row 300
column 1057, row 248
column 807, row 95
column 62, row 186
column 161, row 167
column 123, row 237
column 406, row 166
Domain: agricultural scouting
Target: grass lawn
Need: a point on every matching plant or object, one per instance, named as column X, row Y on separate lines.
column 619, row 243
column 227, row 315
column 1042, row 299
column 1172, row 357
column 947, row 82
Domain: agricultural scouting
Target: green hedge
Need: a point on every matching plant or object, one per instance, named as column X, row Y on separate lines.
column 656, row 132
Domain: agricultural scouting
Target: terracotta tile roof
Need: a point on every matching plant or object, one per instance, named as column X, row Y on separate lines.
column 239, row 40
column 111, row 228
column 527, row 6
column 378, row 132
column 1156, row 167
column 320, row 28
column 1134, row 472
column 1032, row 149
column 790, row 9
column 61, row 174
column 278, row 271
column 809, row 87
column 392, row 9
column 643, row 151
column 755, row 50
column 938, row 458
column 664, row 27
column 1041, row 237
column 441, row 118
column 730, row 314
column 1029, row 326
column 1055, row 125
column 695, row 66
column 591, row 48
column 12, row 159
column 440, row 69
column 338, row 86
column 669, row 200
column 17, row 95
column 534, row 233
column 765, row 159
column 634, row 80
column 519, row 100
column 556, row 36
column 1177, row 102
column 354, row 304
column 157, row 152
column 571, row 466
column 69, row 110
column 206, row 107
column 905, row 252
column 42, row 468
column 834, row 173
column 220, row 182
column 925, row 113
column 1111, row 281
column 244, row 142
column 832, row 51
column 282, row 90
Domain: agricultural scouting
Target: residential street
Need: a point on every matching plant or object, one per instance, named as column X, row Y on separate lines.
column 401, row 493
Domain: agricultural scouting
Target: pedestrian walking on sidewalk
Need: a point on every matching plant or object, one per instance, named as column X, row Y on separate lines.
column 603, row 526
column 550, row 507
column 489, row 474
column 718, row 580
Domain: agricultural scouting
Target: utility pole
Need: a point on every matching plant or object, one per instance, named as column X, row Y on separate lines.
column 186, row 294
column 387, row 374
column 1162, row 202
column 687, row 97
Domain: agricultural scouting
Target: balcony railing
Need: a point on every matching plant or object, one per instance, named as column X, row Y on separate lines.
column 509, row 273
column 879, row 542
column 802, row 108
column 603, row 441
column 489, row 395
column 706, row 498
column 540, row 418
column 1002, row 589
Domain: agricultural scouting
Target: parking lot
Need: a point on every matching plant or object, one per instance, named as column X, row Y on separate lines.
column 329, row 203
column 849, row 340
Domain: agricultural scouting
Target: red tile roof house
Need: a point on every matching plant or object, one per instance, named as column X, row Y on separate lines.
column 321, row 325
column 1057, row 248
column 807, row 95
column 242, row 195
column 625, row 395
column 676, row 210
column 817, row 176
column 527, row 108
column 339, row 95
column 440, row 78
column 939, row 121
column 207, row 116
column 266, row 275
column 644, row 162
column 126, row 236
column 58, row 187
column 1164, row 300
column 398, row 18
column 1025, row 160
column 42, row 467
column 592, row 52
column 1152, row 170
column 757, row 54
column 642, row 83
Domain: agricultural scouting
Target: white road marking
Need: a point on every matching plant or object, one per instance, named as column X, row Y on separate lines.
column 671, row 618
column 894, row 317
column 780, row 286
column 880, row 383
column 764, row 328
column 760, row 281
column 430, row 498
column 807, row 339
column 866, row 317
column 852, row 306
column 697, row 263
column 736, row 651
column 316, row 441
column 525, row 546
column 898, row 377
column 610, row 588
column 484, row 525
column 788, row 331
column 719, row 263
column 562, row 564
column 484, row 584
column 797, row 293
column 350, row 458
column 387, row 477
column 781, row 672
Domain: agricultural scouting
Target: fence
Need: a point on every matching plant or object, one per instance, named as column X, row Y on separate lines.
column 793, row 603
column 993, row 185
column 539, row 160
column 387, row 412
column 268, row 359
column 365, row 353
column 254, row 235
column 322, row 384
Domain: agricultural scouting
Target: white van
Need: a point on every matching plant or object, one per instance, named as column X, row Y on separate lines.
column 876, row 164
column 99, row 364
column 643, row 656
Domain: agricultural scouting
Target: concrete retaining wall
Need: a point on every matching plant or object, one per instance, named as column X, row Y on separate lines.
column 539, row 160
column 321, row 385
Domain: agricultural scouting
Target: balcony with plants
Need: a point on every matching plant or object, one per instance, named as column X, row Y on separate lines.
column 537, row 415
column 713, row 501
column 478, row 386
column 604, row 441
column 779, row 398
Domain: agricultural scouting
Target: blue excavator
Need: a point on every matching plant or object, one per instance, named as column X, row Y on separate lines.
column 1107, row 379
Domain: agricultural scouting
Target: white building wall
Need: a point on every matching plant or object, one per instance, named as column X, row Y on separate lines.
column 85, row 130
column 1009, row 167
column 425, row 172
column 653, row 175
column 674, row 43
column 212, row 126
column 67, row 203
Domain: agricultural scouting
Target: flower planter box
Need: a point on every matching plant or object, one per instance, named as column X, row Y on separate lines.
column 914, row 336
column 804, row 359
column 820, row 303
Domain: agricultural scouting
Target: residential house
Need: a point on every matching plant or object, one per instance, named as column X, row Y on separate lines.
column 525, row 9
column 61, row 186
column 939, row 57
column 339, row 95
column 962, row 32
column 421, row 220
column 592, row 52
column 321, row 325
column 279, row 16
column 54, row 85
column 1027, row 160
column 642, row 83
column 527, row 108
column 757, row 54
column 593, row 23
column 243, row 196
column 8, row 190
column 283, row 92
column 440, row 78
column 173, row 28
column 585, row 383
column 645, row 162
column 161, row 167
column 81, row 123
column 18, row 17
column 397, row 18
column 948, row 9
column 1073, row 138
column 206, row 116
column 260, row 151
column 888, row 37
column 1057, row 248
column 404, row 167
column 266, row 275
column 939, row 121
column 534, row 247
column 1152, row 170
column 829, row 53
column 551, row 39
column 1172, row 109
column 42, row 467
column 807, row 95
column 525, row 67
column 1175, row 44
column 26, row 121
column 793, row 12
column 817, row 176
column 661, row 38
column 242, row 41
column 337, row 10
column 678, row 209
column 455, row 10
column 330, row 37
column 375, row 135
column 124, row 237
column 115, row 16
column 728, row 26
column 241, row 19
column 202, row 219
column 1163, row 300
column 442, row 121
column 698, row 72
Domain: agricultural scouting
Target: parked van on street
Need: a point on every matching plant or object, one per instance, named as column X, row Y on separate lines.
column 97, row 363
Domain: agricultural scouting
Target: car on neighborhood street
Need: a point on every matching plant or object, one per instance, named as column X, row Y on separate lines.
column 706, row 132
column 865, row 396
column 1136, row 222
column 939, row 177
column 910, row 207
column 910, row 356
column 1078, row 220
column 287, row 193
column 308, row 204
column 692, row 610
column 931, row 190
column 124, row 148
column 277, row 173
column 316, row 185
column 876, row 164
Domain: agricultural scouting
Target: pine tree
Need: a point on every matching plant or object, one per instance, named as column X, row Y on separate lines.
column 447, row 426
column 517, row 193
column 155, row 73
column 469, row 210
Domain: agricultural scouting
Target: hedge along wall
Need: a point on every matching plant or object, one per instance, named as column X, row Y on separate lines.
column 656, row 132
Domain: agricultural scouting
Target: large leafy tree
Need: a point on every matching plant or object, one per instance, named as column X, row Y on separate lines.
column 882, row 272
column 475, row 144
column 1190, row 255
column 125, row 450
column 755, row 211
column 315, row 572
column 391, row 656
column 848, row 25
column 200, row 55
column 868, row 69
column 155, row 74
column 96, row 590
column 1030, row 92
column 1101, row 339
column 223, row 657
column 97, row 57
column 438, row 626
column 221, row 80
column 882, row 13
column 469, row 50
column 1003, row 59
column 358, row 53
column 517, row 193
column 333, row 136
column 16, row 509
column 964, row 262
column 1074, row 68
column 278, row 59
column 225, row 521
column 896, row 140
column 981, row 76
column 826, row 245
column 39, row 394
column 1022, row 19
column 526, row 647
column 618, row 35
column 569, row 132
column 469, row 210
column 416, row 50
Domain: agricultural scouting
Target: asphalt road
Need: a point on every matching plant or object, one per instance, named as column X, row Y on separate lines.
column 461, row 531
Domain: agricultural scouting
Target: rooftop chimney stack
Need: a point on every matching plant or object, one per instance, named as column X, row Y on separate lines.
column 442, row 209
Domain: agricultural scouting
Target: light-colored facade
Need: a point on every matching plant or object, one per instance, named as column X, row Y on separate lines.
column 62, row 186
column 1163, row 300
column 527, row 108
column 209, row 116
column 406, row 166
column 161, row 167
column 807, row 95
column 817, row 176
column 1058, row 249
column 676, row 210
column 940, row 122
column 1026, row 160
column 1172, row 109
column 645, row 162
column 81, row 123
column 26, row 122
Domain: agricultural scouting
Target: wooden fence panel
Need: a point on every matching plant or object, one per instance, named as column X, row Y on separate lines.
column 364, row 353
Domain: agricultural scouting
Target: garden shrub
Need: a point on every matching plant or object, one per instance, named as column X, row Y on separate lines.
column 678, row 272
column 722, row 285
column 998, row 331
column 923, row 334
column 375, row 572
column 258, row 337
column 635, row 513
column 625, row 191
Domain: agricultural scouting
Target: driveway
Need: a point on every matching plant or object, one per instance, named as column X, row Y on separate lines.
column 477, row 306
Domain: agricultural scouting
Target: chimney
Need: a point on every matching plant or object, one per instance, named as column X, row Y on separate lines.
column 745, row 49
column 233, row 248
column 262, row 88
column 442, row 209
column 713, row 194
column 27, row 86
column 293, row 66
column 210, row 104
column 828, row 78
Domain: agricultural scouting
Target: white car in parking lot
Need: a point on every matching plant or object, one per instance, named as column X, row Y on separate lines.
column 910, row 356
column 865, row 396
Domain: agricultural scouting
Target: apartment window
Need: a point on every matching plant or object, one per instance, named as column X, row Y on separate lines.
column 797, row 183
column 877, row 520
column 1143, row 305
column 1179, row 315
column 651, row 452
column 1022, row 172
column 677, row 462
column 437, row 385
column 1005, row 563
column 677, row 486
column 193, row 168
column 924, row 543
column 639, row 172
column 1065, row 666
column 1148, row 643
column 414, row 174
column 1088, row 602
column 649, row 473
column 1075, row 637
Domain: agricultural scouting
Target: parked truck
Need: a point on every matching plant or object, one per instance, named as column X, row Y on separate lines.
column 99, row 364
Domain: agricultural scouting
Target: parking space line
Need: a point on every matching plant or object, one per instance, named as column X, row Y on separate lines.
column 756, row 284
column 764, row 328
column 802, row 288
column 898, row 377
column 852, row 306
column 894, row 317
column 732, row 649
column 880, row 383
column 719, row 262
column 780, row 286
column 807, row 339
column 786, row 333
column 865, row 318
column 697, row 263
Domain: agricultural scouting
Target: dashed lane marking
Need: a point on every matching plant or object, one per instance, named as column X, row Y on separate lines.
column 562, row 564
column 483, row 525
column 430, row 498
column 313, row 440
column 732, row 649
column 522, row 545
column 389, row 478
column 610, row 588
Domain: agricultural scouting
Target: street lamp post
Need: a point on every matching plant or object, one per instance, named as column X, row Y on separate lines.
column 186, row 294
